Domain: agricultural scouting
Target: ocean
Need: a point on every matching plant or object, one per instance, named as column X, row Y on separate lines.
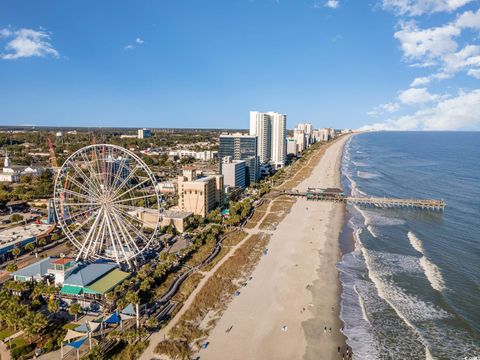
column 411, row 280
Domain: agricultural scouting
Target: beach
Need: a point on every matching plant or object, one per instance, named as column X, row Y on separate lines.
column 294, row 291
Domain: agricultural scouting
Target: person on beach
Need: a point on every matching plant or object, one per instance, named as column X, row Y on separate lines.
column 325, row 330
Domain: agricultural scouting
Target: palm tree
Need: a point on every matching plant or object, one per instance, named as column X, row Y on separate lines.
column 33, row 323
column 133, row 298
column 15, row 252
column 75, row 310
column 30, row 247
column 53, row 305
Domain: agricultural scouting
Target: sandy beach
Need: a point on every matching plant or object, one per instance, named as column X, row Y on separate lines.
column 294, row 291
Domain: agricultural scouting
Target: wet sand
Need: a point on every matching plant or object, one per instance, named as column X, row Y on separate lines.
column 295, row 292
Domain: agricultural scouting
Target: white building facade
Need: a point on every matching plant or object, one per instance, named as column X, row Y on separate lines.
column 270, row 129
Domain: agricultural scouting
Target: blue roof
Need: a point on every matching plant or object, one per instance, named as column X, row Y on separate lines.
column 86, row 274
column 38, row 269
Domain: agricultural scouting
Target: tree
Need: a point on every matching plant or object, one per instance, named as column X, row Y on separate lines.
column 16, row 218
column 15, row 252
column 55, row 237
column 75, row 310
column 42, row 242
column 11, row 267
column 30, row 247
column 33, row 323
column 53, row 305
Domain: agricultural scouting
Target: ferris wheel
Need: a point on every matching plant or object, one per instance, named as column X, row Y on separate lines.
column 106, row 203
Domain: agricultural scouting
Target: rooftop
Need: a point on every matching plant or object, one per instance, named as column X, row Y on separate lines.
column 172, row 214
column 37, row 269
column 88, row 273
column 107, row 282
column 62, row 261
column 16, row 234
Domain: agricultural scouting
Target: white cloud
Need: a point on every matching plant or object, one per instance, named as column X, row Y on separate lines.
column 459, row 113
column 138, row 41
column 420, row 7
column 469, row 20
column 420, row 81
column 474, row 73
column 415, row 96
column 332, row 4
column 390, row 107
column 427, row 44
column 25, row 43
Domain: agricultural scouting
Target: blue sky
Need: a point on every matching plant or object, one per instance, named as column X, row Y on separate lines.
column 383, row 64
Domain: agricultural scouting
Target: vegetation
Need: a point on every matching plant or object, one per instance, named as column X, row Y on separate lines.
column 174, row 349
column 215, row 294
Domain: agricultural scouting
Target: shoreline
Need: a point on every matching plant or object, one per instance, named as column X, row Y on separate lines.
column 295, row 291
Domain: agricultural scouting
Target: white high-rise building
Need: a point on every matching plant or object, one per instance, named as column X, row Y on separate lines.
column 291, row 146
column 308, row 130
column 279, row 139
column 270, row 129
column 261, row 127
column 300, row 139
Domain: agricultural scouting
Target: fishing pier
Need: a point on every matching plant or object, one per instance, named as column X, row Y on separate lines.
column 337, row 195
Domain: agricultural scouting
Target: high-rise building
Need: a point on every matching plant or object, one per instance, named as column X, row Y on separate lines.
column 279, row 139
column 300, row 139
column 199, row 195
column 270, row 128
column 144, row 133
column 261, row 127
column 324, row 134
column 234, row 172
column 241, row 147
column 291, row 146
column 308, row 130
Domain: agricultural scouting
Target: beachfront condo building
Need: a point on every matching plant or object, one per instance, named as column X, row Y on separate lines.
column 199, row 194
column 234, row 172
column 307, row 128
column 241, row 147
column 270, row 129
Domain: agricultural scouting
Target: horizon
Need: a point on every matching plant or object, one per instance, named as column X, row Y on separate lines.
column 385, row 65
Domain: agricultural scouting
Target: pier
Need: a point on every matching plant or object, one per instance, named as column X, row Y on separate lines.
column 337, row 195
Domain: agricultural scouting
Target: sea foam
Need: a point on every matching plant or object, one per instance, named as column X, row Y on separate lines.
column 431, row 271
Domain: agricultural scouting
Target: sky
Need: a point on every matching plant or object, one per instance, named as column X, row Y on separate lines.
column 360, row 64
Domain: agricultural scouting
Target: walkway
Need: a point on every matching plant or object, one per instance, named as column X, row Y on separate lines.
column 160, row 335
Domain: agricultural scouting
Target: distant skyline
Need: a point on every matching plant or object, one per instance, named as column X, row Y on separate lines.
column 382, row 64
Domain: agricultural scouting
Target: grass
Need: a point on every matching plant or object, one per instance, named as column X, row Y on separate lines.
column 70, row 326
column 187, row 287
column 282, row 206
column 256, row 217
column 234, row 238
column 6, row 332
column 18, row 342
column 230, row 240
column 219, row 290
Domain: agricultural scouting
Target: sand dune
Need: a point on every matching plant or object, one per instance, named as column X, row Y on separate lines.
column 282, row 312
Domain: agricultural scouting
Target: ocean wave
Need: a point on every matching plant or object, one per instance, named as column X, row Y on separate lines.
column 371, row 230
column 373, row 217
column 387, row 264
column 416, row 243
column 362, row 305
column 433, row 274
column 431, row 271
column 359, row 163
column 366, row 175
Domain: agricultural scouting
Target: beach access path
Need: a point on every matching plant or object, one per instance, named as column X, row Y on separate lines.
column 294, row 292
